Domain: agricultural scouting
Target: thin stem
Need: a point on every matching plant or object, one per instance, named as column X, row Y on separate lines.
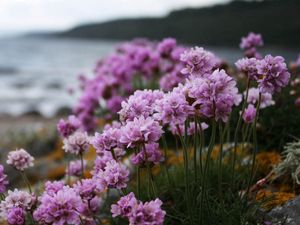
column 206, row 166
column 138, row 178
column 26, row 181
column 220, row 160
column 186, row 171
column 237, row 131
column 195, row 151
column 202, row 139
column 254, row 133
column 82, row 166
column 166, row 159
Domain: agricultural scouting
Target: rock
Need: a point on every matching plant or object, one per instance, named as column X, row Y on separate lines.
column 290, row 212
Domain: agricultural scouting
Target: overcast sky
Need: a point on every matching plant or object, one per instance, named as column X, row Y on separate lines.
column 28, row 15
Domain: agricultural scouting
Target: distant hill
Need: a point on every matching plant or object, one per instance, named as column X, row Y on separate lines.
column 277, row 20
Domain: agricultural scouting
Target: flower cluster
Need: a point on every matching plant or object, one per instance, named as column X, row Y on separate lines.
column 134, row 64
column 198, row 62
column 150, row 153
column 250, row 43
column 20, row 159
column 75, row 168
column 113, row 175
column 77, row 143
column 13, row 208
column 140, row 131
column 137, row 212
column 270, row 73
column 213, row 96
column 66, row 128
column 61, row 207
column 141, row 103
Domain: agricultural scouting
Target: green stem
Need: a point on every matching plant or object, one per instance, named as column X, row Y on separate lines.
column 138, row 178
column 26, row 181
column 82, row 166
column 206, row 167
column 202, row 139
column 166, row 159
column 220, row 173
column 195, row 151
column 186, row 172
column 237, row 131
column 255, row 145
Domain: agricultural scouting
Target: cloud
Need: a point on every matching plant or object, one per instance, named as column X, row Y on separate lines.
column 63, row 14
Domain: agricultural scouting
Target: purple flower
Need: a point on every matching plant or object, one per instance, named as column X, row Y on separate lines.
column 66, row 128
column 151, row 154
column 140, row 131
column 148, row 213
column 213, row 96
column 20, row 159
column 139, row 104
column 16, row 198
column 249, row 67
column 166, row 46
column 3, row 180
column 86, row 189
column 249, row 114
column 125, row 206
column 250, row 43
column 198, row 62
column 266, row 98
column 252, row 40
column 108, row 140
column 100, row 161
column 60, row 208
column 16, row 216
column 273, row 74
column 114, row 175
column 136, row 212
column 75, row 168
column 53, row 187
column 77, row 143
column 172, row 108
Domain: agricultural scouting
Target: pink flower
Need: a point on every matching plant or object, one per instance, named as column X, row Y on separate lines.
column 66, row 128
column 249, row 114
column 77, row 143
column 114, row 175
column 198, row 62
column 20, row 159
column 140, row 131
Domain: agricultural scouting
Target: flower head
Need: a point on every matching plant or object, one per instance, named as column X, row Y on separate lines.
column 16, row 199
column 213, row 96
column 66, row 128
column 250, row 43
column 75, row 168
column 59, row 208
column 166, row 46
column 107, row 141
column 77, row 143
column 16, row 216
column 114, row 175
column 86, row 188
column 151, row 154
column 20, row 159
column 172, row 108
column 139, row 104
column 136, row 212
column 249, row 67
column 140, row 131
column 249, row 114
column 273, row 74
column 198, row 62
column 265, row 101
